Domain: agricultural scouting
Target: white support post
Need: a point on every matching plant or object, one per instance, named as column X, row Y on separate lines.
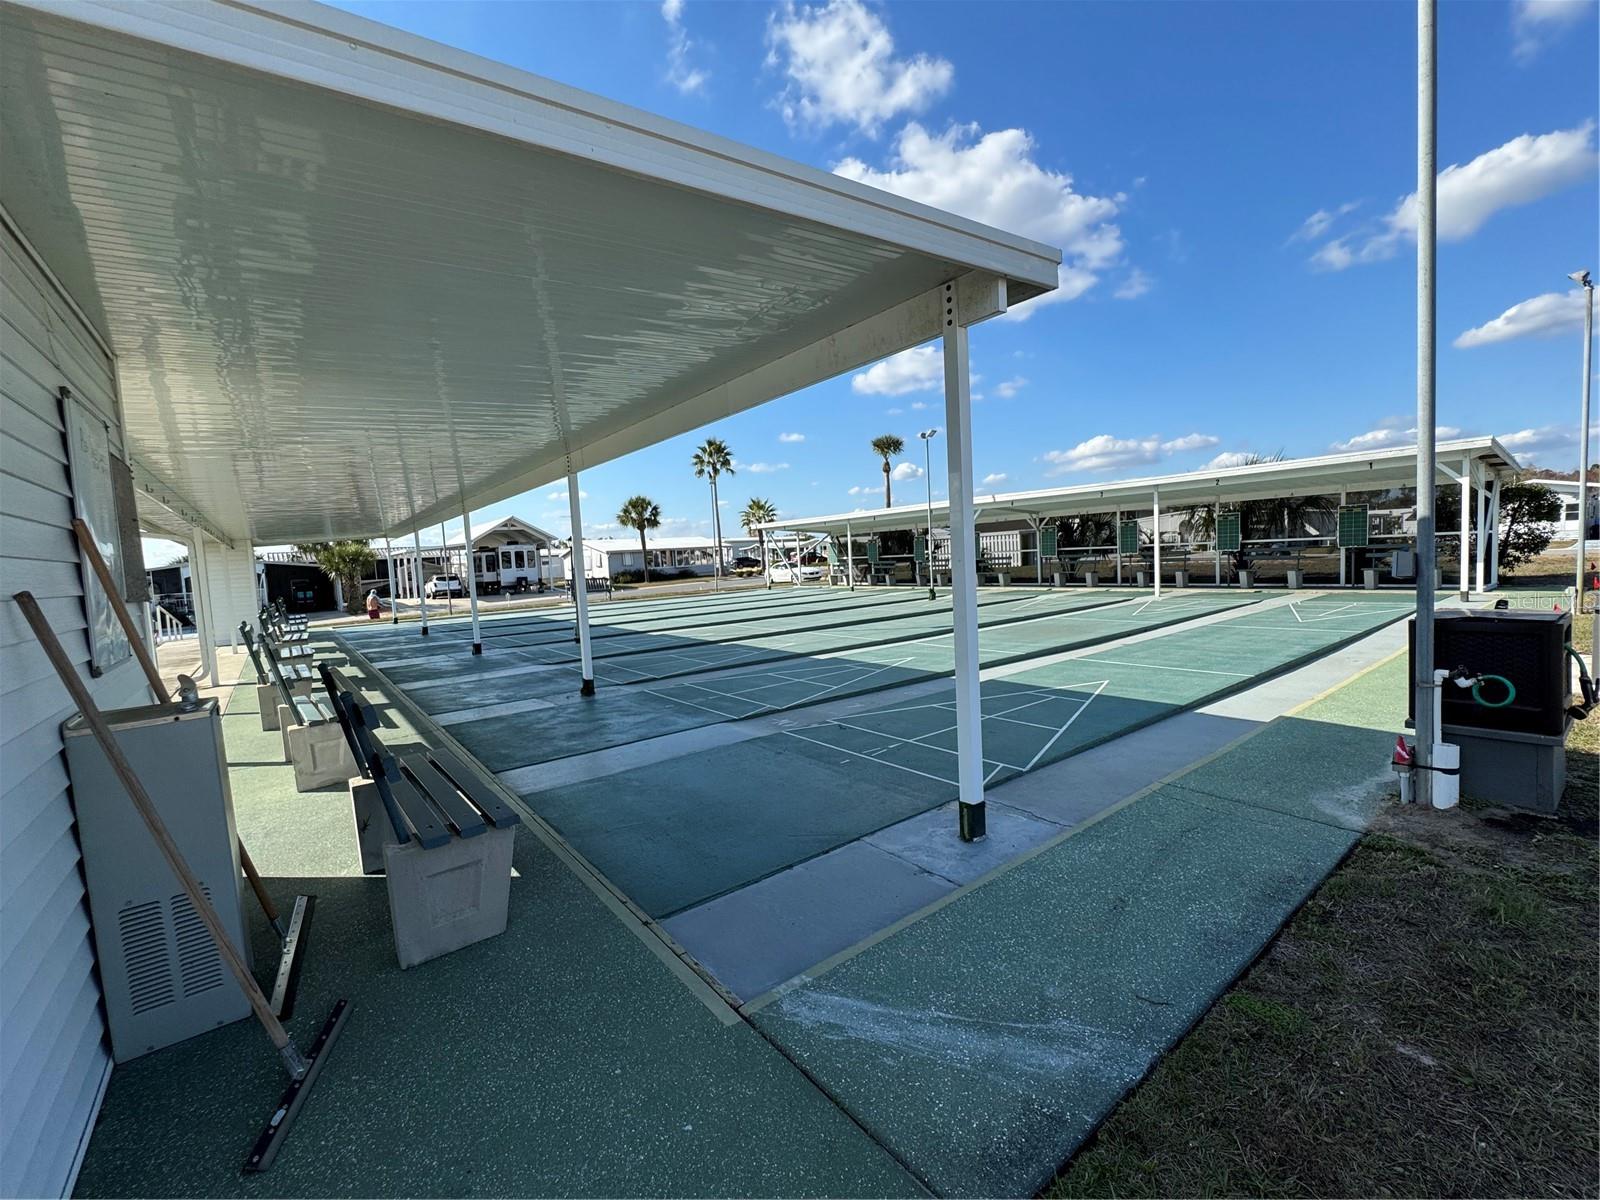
column 963, row 570
column 472, row 575
column 416, row 577
column 1155, row 504
column 1343, row 553
column 1116, row 543
column 1492, row 525
column 1466, row 524
column 580, row 582
column 850, row 555
column 200, row 599
column 1483, row 534
column 394, row 584
column 1424, row 686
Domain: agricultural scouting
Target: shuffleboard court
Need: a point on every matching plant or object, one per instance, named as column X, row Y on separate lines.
column 684, row 831
column 624, row 714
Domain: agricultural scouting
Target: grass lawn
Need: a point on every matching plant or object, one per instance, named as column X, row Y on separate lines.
column 1425, row 1026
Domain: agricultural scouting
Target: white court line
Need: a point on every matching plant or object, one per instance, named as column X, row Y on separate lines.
column 707, row 708
column 1082, row 708
column 462, row 715
column 1120, row 662
column 473, row 677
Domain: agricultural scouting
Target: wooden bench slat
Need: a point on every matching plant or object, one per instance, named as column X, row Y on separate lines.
column 430, row 831
column 500, row 814
column 462, row 817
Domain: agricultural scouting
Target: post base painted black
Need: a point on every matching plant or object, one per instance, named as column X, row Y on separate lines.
column 972, row 821
column 477, row 647
column 424, row 631
column 932, row 594
column 587, row 689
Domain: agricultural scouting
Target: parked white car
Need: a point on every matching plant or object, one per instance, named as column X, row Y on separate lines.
column 443, row 585
column 784, row 573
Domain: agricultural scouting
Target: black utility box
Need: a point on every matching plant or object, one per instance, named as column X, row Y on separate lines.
column 1528, row 648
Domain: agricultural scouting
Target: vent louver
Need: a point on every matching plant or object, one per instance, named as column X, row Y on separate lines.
column 199, row 965
column 142, row 929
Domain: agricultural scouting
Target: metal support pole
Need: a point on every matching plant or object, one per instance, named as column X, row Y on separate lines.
column 394, row 585
column 850, row 555
column 1480, row 553
column 1155, row 504
column 1422, row 680
column 1116, row 542
column 200, row 585
column 416, row 576
column 963, row 570
column 1583, row 441
column 449, row 569
column 580, row 582
column 1493, row 525
column 472, row 575
column 1344, row 554
column 1466, row 525
column 927, row 436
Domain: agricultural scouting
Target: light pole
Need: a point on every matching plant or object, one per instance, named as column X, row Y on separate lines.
column 1581, row 278
column 927, row 436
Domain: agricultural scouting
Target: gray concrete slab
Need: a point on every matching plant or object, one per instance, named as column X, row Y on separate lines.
column 930, row 840
column 766, row 933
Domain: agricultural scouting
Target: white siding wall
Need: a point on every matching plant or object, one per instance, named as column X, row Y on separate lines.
column 231, row 587
column 53, row 1061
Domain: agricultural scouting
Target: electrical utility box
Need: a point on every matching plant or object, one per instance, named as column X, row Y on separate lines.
column 162, row 976
column 1529, row 648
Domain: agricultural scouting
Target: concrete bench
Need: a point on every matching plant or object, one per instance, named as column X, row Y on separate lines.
column 312, row 742
column 278, row 628
column 298, row 675
column 285, row 652
column 428, row 822
column 591, row 584
column 291, row 621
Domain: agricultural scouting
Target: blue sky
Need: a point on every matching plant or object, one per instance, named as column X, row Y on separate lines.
column 1227, row 181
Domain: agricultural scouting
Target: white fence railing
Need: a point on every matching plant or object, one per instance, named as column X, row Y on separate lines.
column 165, row 627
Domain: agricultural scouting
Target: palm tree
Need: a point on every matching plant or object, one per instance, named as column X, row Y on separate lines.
column 641, row 513
column 713, row 459
column 759, row 512
column 887, row 447
column 347, row 562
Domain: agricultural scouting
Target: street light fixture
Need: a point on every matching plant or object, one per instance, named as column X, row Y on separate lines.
column 1581, row 278
column 927, row 436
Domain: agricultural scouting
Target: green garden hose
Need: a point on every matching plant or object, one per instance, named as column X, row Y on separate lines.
column 1511, row 691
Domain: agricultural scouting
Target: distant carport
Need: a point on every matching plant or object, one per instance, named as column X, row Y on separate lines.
column 355, row 282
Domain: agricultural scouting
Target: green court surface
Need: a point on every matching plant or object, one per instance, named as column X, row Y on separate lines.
column 683, row 831
column 985, row 1041
column 756, row 637
column 531, row 718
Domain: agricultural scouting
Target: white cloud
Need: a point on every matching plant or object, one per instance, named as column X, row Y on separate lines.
column 919, row 369
column 1105, row 453
column 1537, row 23
column 1228, row 458
column 997, row 478
column 994, row 178
column 1135, row 285
column 560, row 495
column 1010, row 387
column 918, row 405
column 1319, row 222
column 1525, row 169
column 791, row 437
column 680, row 74
column 763, row 468
column 840, row 65
column 903, row 471
column 1542, row 316
column 1551, row 445
column 1390, row 434
column 894, row 412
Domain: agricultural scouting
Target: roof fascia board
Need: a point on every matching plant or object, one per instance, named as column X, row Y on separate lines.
column 339, row 52
column 153, row 488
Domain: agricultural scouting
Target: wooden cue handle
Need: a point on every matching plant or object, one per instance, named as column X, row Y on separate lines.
column 260, row 889
column 152, row 819
column 92, row 553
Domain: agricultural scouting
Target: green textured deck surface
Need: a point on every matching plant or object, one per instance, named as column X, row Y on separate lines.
column 984, row 1041
column 677, row 833
column 557, row 722
column 561, row 1058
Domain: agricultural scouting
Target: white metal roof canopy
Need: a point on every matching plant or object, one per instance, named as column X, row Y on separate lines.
column 338, row 263
column 1323, row 475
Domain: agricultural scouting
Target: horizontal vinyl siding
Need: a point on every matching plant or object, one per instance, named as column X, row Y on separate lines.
column 53, row 1059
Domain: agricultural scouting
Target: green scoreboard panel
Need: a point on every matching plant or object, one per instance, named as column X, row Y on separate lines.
column 1048, row 541
column 1228, row 531
column 872, row 551
column 919, row 549
column 833, row 553
column 1128, row 537
column 1353, row 525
